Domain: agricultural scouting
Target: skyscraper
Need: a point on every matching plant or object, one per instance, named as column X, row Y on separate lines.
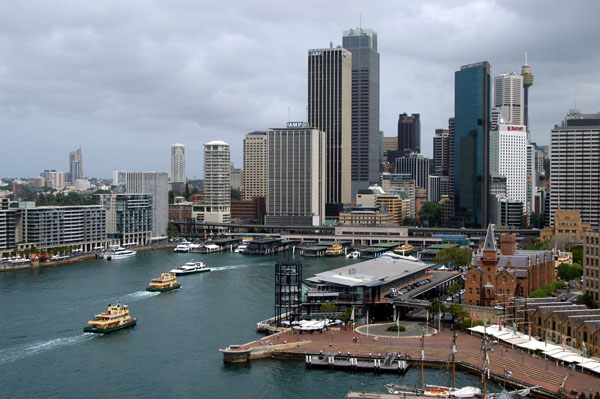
column 508, row 158
column 441, row 152
column 330, row 110
column 217, row 182
column 366, row 138
column 296, row 176
column 255, row 165
column 527, row 83
column 156, row 184
column 508, row 97
column 178, row 163
column 575, row 166
column 417, row 166
column 75, row 165
column 471, row 143
column 409, row 133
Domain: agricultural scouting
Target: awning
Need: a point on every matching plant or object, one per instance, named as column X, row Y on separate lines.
column 534, row 344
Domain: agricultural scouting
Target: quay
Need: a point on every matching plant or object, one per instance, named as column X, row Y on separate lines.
column 554, row 380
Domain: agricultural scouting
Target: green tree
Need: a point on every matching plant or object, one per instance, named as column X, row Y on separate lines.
column 430, row 214
column 408, row 221
column 436, row 307
column 457, row 311
column 171, row 197
column 102, row 192
column 536, row 220
column 570, row 271
column 585, row 299
column 187, row 191
column 546, row 290
column 348, row 314
column 236, row 194
column 454, row 256
column 577, row 251
column 537, row 245
column 329, row 308
column 172, row 230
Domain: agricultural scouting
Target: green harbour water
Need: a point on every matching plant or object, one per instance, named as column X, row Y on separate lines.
column 173, row 350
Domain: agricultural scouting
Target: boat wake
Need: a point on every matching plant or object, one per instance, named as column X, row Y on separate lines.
column 9, row 355
column 139, row 295
column 216, row 269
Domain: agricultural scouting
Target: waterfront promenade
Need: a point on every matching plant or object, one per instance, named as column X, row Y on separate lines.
column 525, row 368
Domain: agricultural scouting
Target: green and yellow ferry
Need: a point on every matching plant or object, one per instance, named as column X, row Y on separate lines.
column 166, row 282
column 116, row 318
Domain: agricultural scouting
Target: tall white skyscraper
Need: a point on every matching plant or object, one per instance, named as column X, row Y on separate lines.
column 156, row 184
column 178, row 163
column 508, row 158
column 508, row 97
column 216, row 207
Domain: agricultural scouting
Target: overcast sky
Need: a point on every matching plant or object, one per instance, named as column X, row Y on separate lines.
column 125, row 79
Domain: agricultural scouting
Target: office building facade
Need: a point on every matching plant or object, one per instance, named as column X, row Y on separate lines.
column 330, row 111
column 508, row 158
column 575, row 166
column 76, row 165
column 409, row 133
column 471, row 143
column 508, row 98
column 255, row 165
column 178, row 163
column 119, row 177
column 296, row 176
column 128, row 217
column 157, row 185
column 366, row 138
column 417, row 166
column 441, row 152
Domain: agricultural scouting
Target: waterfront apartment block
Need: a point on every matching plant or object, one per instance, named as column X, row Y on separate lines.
column 591, row 265
column 255, row 165
column 330, row 111
column 57, row 226
column 128, row 217
column 574, row 165
column 157, row 185
column 8, row 229
column 296, row 176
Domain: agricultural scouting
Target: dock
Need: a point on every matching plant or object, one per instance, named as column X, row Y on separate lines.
column 332, row 361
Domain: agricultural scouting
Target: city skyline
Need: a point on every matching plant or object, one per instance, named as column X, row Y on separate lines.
column 180, row 81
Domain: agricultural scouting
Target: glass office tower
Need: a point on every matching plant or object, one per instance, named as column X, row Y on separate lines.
column 471, row 143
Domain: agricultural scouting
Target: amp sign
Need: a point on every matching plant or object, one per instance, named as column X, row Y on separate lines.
column 296, row 124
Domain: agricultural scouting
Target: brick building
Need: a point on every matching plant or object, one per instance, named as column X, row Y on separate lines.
column 252, row 209
column 591, row 264
column 498, row 276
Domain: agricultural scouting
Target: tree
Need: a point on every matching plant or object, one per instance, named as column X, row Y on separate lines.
column 436, row 307
column 454, row 256
column 585, row 299
column 536, row 220
column 430, row 214
column 348, row 314
column 329, row 308
column 187, row 191
column 457, row 311
column 172, row 230
column 577, row 251
column 236, row 194
column 408, row 221
column 537, row 245
column 171, row 197
column 570, row 271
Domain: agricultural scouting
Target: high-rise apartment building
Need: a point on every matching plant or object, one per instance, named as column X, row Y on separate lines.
column 330, row 111
column 575, row 166
column 296, row 176
column 216, row 207
column 508, row 97
column 471, row 142
column 178, row 163
column 255, row 165
column 362, row 43
column 441, row 152
column 508, row 158
column 76, row 165
column 409, row 133
column 128, row 217
column 417, row 166
column 157, row 185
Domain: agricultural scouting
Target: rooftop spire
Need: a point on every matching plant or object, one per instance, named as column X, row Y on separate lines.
column 490, row 243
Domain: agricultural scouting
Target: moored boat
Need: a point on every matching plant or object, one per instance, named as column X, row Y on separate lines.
column 191, row 267
column 118, row 253
column 405, row 249
column 116, row 318
column 334, row 250
column 353, row 255
column 166, row 282
column 183, row 247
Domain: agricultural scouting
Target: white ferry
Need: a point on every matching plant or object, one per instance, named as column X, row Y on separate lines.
column 191, row 267
column 119, row 253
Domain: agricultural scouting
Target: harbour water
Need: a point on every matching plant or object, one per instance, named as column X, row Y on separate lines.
column 173, row 351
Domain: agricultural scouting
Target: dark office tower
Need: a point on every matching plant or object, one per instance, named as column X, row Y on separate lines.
column 329, row 110
column 366, row 138
column 409, row 133
column 440, row 152
column 471, row 147
column 527, row 83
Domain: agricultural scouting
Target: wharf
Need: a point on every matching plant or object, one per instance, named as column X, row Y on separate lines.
column 390, row 364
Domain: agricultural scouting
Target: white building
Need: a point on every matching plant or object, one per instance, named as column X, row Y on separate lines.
column 508, row 97
column 119, row 177
column 508, row 158
column 216, row 207
column 178, row 163
column 156, row 184
column 296, row 176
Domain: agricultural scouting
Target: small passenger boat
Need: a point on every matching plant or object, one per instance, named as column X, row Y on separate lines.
column 166, row 282
column 334, row 250
column 405, row 249
column 116, row 318
column 191, row 267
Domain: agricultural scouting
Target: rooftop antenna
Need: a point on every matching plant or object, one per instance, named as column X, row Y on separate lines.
column 289, row 117
column 525, row 57
column 360, row 21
